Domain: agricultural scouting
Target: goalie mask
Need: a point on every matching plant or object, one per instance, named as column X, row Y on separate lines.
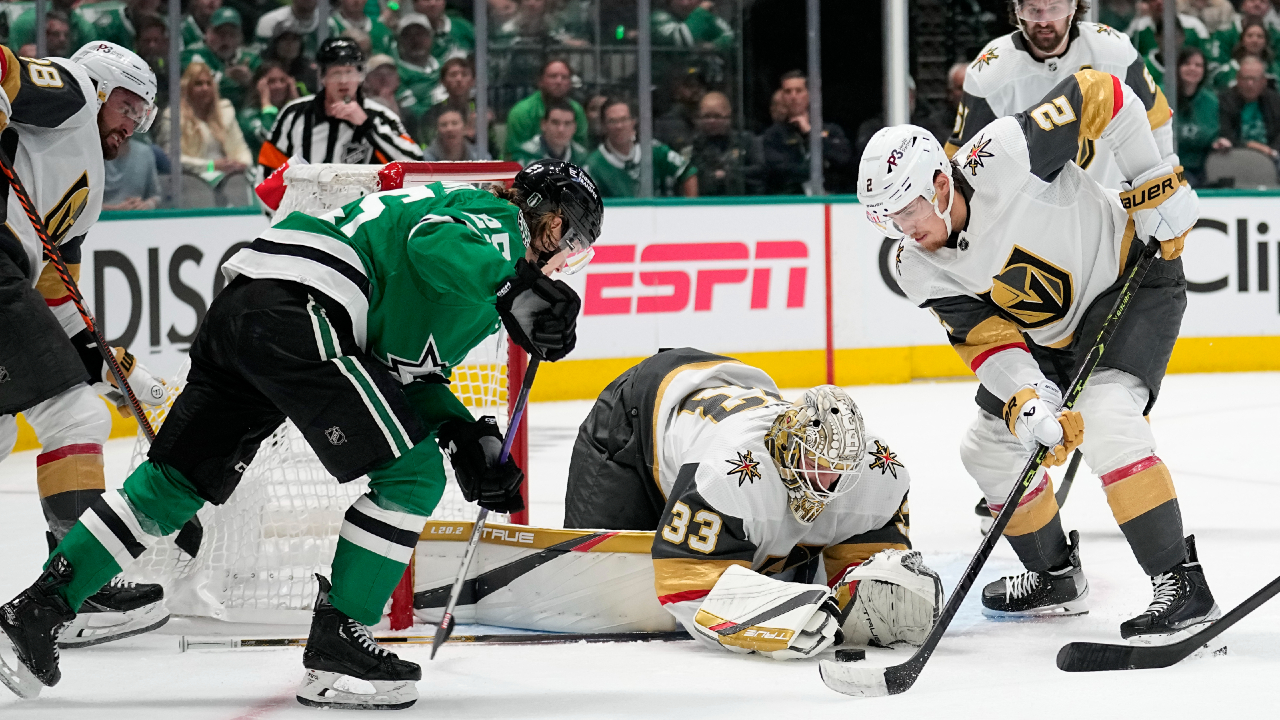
column 817, row 445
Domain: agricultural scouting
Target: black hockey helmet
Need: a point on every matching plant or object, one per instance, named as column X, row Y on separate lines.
column 339, row 51
column 548, row 186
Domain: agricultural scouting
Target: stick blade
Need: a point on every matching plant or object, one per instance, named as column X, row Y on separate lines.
column 855, row 680
column 442, row 634
column 1096, row 657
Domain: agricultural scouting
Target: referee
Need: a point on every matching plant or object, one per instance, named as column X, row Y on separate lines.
column 338, row 124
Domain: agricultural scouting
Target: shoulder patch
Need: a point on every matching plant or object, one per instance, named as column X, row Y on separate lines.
column 884, row 459
column 977, row 152
column 745, row 467
column 985, row 58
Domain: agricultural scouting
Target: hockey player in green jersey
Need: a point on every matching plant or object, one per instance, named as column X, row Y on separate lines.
column 348, row 325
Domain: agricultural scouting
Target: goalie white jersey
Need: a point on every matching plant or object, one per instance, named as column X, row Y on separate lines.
column 1005, row 79
column 727, row 505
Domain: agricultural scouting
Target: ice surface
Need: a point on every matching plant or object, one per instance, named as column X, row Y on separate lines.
column 1217, row 434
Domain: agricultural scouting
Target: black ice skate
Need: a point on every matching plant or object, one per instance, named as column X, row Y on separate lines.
column 119, row 610
column 1059, row 592
column 1181, row 603
column 339, row 646
column 31, row 623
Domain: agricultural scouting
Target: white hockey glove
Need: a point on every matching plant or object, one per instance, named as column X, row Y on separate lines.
column 150, row 389
column 1161, row 208
column 892, row 597
column 748, row 612
column 1033, row 417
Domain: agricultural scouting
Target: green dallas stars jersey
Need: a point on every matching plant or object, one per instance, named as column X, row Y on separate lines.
column 106, row 21
column 381, row 40
column 416, row 269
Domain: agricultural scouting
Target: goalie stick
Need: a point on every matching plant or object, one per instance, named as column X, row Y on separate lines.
column 447, row 622
column 197, row 643
column 1093, row 657
column 895, row 679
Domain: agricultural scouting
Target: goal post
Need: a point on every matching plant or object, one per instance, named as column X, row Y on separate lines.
column 264, row 546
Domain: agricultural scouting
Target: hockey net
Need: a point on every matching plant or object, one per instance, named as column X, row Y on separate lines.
column 262, row 548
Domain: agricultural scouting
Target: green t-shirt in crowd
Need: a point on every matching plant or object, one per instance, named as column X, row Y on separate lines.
column 106, row 21
column 525, row 120
column 227, row 87
column 457, row 38
column 22, row 26
column 255, row 125
column 1197, row 125
column 536, row 149
column 1252, row 125
column 619, row 176
column 381, row 40
column 701, row 26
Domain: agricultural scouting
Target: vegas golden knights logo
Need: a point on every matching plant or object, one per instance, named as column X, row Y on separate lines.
column 1032, row 290
column 64, row 214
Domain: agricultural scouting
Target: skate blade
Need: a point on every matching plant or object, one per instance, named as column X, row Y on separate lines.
column 1181, row 634
column 14, row 674
column 322, row 689
column 81, row 632
column 1071, row 609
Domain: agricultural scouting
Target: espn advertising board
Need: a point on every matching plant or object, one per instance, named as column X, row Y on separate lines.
column 738, row 277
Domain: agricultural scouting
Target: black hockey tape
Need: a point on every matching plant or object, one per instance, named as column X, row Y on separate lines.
column 850, row 655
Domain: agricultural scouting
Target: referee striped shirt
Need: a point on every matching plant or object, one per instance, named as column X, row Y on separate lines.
column 303, row 128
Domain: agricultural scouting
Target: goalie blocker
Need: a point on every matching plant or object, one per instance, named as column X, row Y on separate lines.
column 758, row 504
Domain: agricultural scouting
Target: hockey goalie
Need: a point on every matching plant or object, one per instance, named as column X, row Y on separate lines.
column 780, row 528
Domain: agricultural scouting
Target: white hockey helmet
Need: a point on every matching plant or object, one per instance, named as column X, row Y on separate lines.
column 821, row 433
column 898, row 166
column 112, row 66
column 1043, row 10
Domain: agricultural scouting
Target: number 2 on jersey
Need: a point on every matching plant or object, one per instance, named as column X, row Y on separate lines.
column 709, row 524
column 1054, row 113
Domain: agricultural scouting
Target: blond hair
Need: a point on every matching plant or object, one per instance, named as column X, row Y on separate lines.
column 191, row 119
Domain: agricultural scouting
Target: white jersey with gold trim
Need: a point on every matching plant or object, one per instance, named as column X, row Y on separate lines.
column 1005, row 79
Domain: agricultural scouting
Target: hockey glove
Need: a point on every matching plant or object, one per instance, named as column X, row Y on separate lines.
column 150, row 389
column 748, row 612
column 891, row 597
column 1161, row 208
column 473, row 449
column 1032, row 416
column 540, row 314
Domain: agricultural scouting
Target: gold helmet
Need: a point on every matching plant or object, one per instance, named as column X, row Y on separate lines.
column 821, row 433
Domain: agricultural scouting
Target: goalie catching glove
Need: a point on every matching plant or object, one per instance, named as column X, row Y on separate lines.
column 1032, row 416
column 473, row 449
column 539, row 313
column 748, row 612
column 891, row 597
column 1162, row 207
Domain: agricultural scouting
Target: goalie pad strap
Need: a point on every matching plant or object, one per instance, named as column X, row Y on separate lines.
column 812, row 597
column 1151, row 193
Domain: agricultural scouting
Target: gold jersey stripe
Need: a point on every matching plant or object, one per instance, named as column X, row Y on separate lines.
column 677, row 575
column 11, row 79
column 990, row 333
column 1097, row 106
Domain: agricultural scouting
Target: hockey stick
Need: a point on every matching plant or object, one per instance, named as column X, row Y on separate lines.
column 447, row 622
column 874, row 682
column 1092, row 657
column 55, row 257
column 1067, row 479
column 186, row 643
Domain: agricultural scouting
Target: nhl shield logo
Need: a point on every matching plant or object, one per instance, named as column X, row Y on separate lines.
column 335, row 435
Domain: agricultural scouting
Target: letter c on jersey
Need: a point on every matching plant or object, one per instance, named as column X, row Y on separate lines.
column 678, row 271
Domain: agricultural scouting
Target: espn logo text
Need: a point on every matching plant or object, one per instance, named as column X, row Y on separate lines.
column 667, row 277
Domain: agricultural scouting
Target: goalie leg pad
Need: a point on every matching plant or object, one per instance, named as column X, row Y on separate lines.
column 894, row 597
column 748, row 612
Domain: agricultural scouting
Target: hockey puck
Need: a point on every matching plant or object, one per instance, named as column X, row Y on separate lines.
column 850, row 655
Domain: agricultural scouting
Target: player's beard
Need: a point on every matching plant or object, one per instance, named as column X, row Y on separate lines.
column 1045, row 36
column 111, row 151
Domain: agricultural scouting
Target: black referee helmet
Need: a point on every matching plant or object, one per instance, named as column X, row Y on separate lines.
column 339, row 51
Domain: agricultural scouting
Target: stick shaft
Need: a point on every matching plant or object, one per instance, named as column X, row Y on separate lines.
column 197, row 643
column 447, row 621
column 64, row 273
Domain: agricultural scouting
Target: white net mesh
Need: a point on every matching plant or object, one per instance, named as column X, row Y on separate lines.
column 316, row 188
column 262, row 548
